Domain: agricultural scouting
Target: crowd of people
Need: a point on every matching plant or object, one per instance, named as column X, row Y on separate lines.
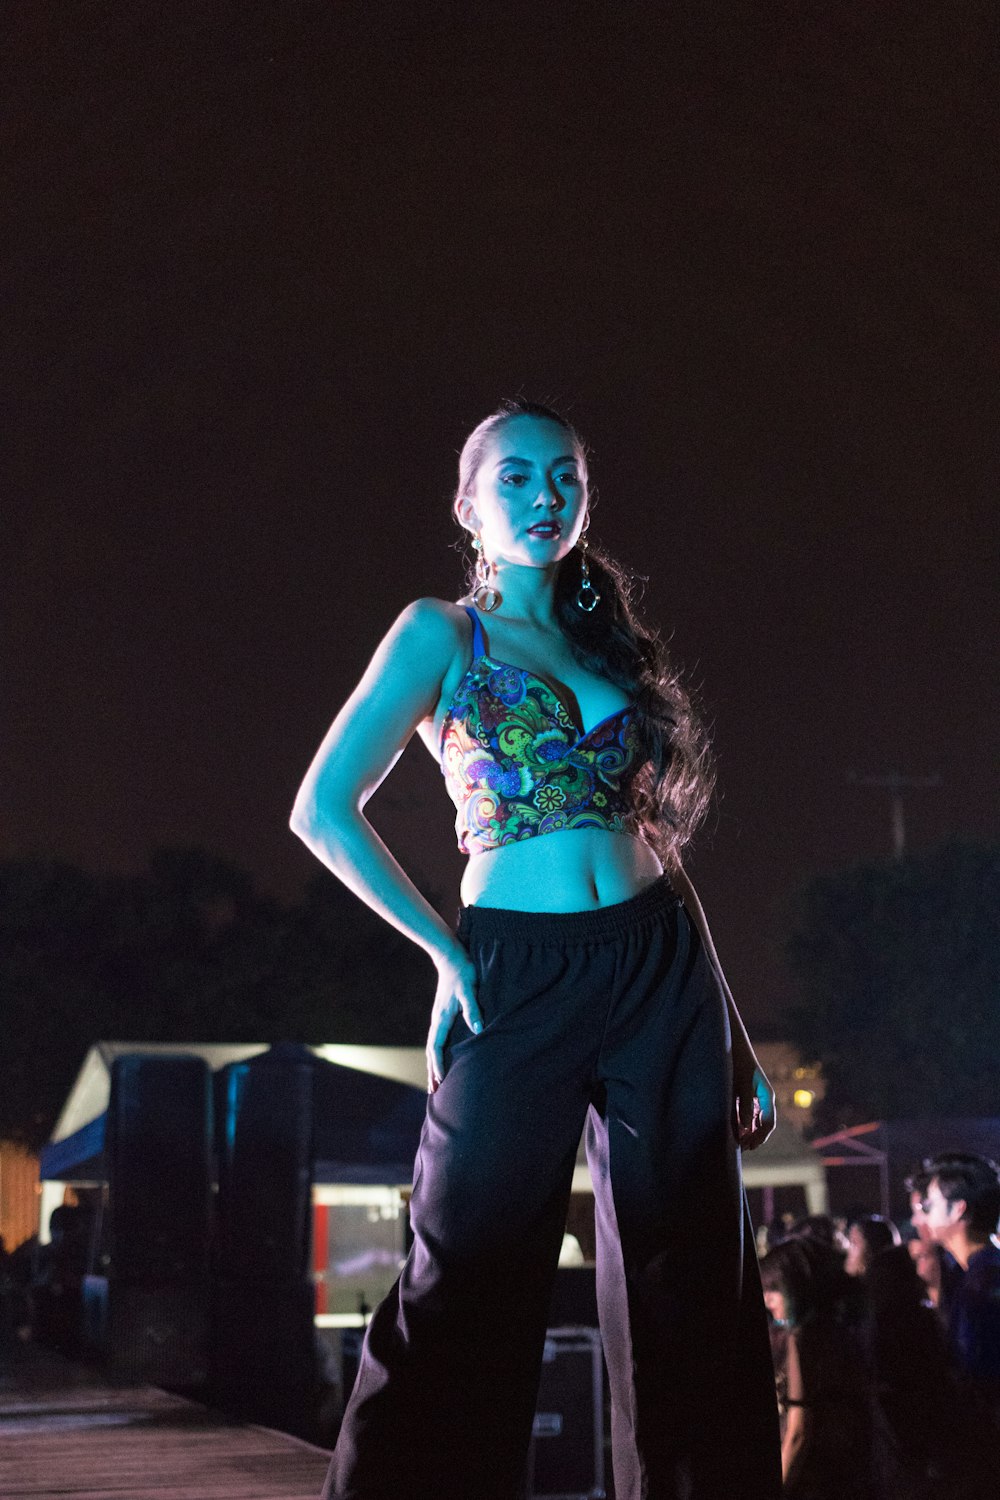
column 15, row 1302
column 886, row 1345
column 885, row 1339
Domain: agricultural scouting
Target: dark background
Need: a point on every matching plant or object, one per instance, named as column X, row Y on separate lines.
column 266, row 268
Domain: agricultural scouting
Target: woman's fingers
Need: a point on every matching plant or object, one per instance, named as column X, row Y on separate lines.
column 463, row 996
column 471, row 1014
column 435, row 1056
column 435, row 1069
column 754, row 1109
column 441, row 1022
column 756, row 1121
column 456, row 996
column 441, row 1025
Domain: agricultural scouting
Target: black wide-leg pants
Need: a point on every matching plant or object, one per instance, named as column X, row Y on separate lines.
column 615, row 1019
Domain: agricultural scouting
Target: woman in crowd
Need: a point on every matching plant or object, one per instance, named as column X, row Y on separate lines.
column 867, row 1236
column 826, row 1382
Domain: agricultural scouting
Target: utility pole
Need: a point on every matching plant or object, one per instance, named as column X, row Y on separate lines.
column 894, row 783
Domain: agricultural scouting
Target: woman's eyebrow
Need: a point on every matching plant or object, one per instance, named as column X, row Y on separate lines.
column 565, row 458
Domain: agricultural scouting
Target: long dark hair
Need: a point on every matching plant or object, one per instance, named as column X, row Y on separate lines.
column 809, row 1275
column 675, row 786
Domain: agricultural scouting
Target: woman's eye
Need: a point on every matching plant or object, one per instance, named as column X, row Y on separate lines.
column 569, row 478
column 514, row 479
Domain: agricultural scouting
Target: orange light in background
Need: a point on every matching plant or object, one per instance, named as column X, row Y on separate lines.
column 20, row 1191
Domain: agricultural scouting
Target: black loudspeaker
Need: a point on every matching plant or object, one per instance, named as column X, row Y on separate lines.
column 158, row 1146
column 264, row 1366
column 566, row 1458
column 265, row 1169
column 158, row 1335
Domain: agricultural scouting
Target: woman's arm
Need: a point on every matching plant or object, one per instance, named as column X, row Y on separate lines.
column 400, row 688
column 798, row 1422
column 754, row 1097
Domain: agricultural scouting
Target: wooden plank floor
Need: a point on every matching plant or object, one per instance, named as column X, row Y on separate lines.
column 64, row 1432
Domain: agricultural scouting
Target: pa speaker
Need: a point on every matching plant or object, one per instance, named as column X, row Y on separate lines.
column 157, row 1335
column 263, row 1363
column 158, row 1145
column 265, row 1169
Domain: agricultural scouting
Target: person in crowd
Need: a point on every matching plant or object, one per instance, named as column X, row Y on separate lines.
column 913, row 1379
column 826, row 1387
column 57, row 1281
column 961, row 1207
column 8, row 1313
column 821, row 1228
column 770, row 1231
column 867, row 1236
column 933, row 1265
column 581, row 986
column 20, row 1267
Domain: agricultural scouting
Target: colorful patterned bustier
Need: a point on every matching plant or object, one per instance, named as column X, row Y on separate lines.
column 516, row 765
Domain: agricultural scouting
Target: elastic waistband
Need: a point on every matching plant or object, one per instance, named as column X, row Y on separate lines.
column 602, row 922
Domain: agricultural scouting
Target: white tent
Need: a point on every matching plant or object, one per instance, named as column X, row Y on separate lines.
column 75, row 1149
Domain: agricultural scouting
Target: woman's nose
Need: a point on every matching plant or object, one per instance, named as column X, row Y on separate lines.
column 549, row 496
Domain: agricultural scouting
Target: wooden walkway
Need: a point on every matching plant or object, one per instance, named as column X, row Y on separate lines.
column 64, row 1432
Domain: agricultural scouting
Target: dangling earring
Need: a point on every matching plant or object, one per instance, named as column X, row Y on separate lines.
column 587, row 598
column 485, row 596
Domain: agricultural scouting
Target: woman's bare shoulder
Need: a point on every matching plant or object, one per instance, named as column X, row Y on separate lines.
column 436, row 625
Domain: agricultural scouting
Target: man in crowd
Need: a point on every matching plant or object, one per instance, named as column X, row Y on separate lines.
column 960, row 1209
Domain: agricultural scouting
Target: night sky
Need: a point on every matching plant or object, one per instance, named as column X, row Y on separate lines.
column 263, row 274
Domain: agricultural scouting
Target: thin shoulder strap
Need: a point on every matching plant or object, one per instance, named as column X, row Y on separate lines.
column 478, row 639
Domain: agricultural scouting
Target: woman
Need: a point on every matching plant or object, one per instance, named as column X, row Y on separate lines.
column 936, row 1445
column 868, row 1235
column 577, row 990
column 833, row 1441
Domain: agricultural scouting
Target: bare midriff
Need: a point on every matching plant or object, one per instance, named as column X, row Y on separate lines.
column 577, row 869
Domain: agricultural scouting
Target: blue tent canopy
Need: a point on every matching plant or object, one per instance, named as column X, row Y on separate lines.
column 366, row 1127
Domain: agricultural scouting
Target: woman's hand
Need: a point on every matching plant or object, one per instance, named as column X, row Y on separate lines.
column 753, row 1104
column 456, row 994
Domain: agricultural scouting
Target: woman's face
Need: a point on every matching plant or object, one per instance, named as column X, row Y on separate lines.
column 857, row 1252
column 774, row 1301
column 529, row 497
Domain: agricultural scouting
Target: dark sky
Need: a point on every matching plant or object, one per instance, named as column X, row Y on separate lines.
column 265, row 274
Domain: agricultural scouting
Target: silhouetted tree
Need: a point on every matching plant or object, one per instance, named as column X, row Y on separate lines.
column 358, row 979
column 898, row 970
column 52, row 920
column 186, row 950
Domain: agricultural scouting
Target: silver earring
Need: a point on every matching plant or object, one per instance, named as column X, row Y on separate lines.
column 485, row 596
column 587, row 597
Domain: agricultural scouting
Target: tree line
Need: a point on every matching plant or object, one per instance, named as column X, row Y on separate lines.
column 896, row 968
column 897, row 980
column 187, row 950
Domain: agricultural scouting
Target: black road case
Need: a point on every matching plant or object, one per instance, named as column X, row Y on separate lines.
column 566, row 1458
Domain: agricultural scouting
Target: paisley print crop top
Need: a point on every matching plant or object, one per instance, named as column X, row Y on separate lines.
column 516, row 764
